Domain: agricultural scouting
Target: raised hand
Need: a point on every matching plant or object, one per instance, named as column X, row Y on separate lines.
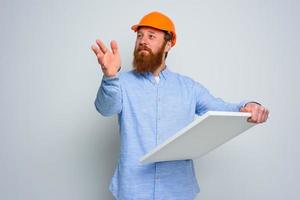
column 110, row 61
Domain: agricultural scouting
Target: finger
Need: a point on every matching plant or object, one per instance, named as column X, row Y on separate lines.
column 98, row 53
column 260, row 115
column 95, row 49
column 243, row 109
column 265, row 115
column 100, row 61
column 102, row 47
column 114, row 46
column 254, row 115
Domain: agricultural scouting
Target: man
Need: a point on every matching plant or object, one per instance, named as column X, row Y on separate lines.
column 152, row 104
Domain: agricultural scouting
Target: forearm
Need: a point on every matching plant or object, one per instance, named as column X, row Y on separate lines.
column 206, row 102
column 219, row 104
column 109, row 96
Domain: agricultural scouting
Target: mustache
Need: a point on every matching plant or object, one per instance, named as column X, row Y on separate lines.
column 144, row 48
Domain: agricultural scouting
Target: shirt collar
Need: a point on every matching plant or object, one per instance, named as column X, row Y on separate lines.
column 163, row 74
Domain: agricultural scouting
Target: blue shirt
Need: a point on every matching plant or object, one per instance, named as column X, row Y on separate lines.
column 149, row 112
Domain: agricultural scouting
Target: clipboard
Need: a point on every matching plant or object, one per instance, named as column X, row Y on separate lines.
column 204, row 134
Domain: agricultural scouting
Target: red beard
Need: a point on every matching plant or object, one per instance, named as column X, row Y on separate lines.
column 143, row 62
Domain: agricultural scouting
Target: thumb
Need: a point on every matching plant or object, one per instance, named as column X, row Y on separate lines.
column 243, row 109
column 114, row 46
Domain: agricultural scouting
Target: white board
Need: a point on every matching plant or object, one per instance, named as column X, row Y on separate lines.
column 204, row 134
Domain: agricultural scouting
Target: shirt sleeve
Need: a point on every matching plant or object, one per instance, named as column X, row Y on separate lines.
column 109, row 96
column 207, row 102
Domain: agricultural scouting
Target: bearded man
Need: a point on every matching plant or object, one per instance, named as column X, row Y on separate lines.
column 152, row 104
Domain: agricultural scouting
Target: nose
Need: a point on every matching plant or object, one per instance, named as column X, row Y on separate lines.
column 143, row 41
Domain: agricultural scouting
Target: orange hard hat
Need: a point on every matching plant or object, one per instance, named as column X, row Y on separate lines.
column 159, row 21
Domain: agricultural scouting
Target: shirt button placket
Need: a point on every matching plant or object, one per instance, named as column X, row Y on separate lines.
column 158, row 118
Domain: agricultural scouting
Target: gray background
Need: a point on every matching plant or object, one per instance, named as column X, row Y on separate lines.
column 54, row 145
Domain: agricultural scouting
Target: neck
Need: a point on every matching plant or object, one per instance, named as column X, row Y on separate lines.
column 158, row 70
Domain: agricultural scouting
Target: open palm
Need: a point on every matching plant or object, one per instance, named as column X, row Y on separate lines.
column 110, row 61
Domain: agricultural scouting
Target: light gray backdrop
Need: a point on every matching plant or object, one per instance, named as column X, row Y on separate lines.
column 54, row 145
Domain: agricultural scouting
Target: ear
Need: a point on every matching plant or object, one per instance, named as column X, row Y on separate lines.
column 168, row 46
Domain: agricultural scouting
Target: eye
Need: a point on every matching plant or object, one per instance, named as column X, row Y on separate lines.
column 139, row 35
column 151, row 37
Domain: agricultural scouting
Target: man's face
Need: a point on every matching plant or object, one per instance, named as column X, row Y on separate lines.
column 150, row 48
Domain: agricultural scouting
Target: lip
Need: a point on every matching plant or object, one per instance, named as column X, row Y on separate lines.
column 143, row 51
